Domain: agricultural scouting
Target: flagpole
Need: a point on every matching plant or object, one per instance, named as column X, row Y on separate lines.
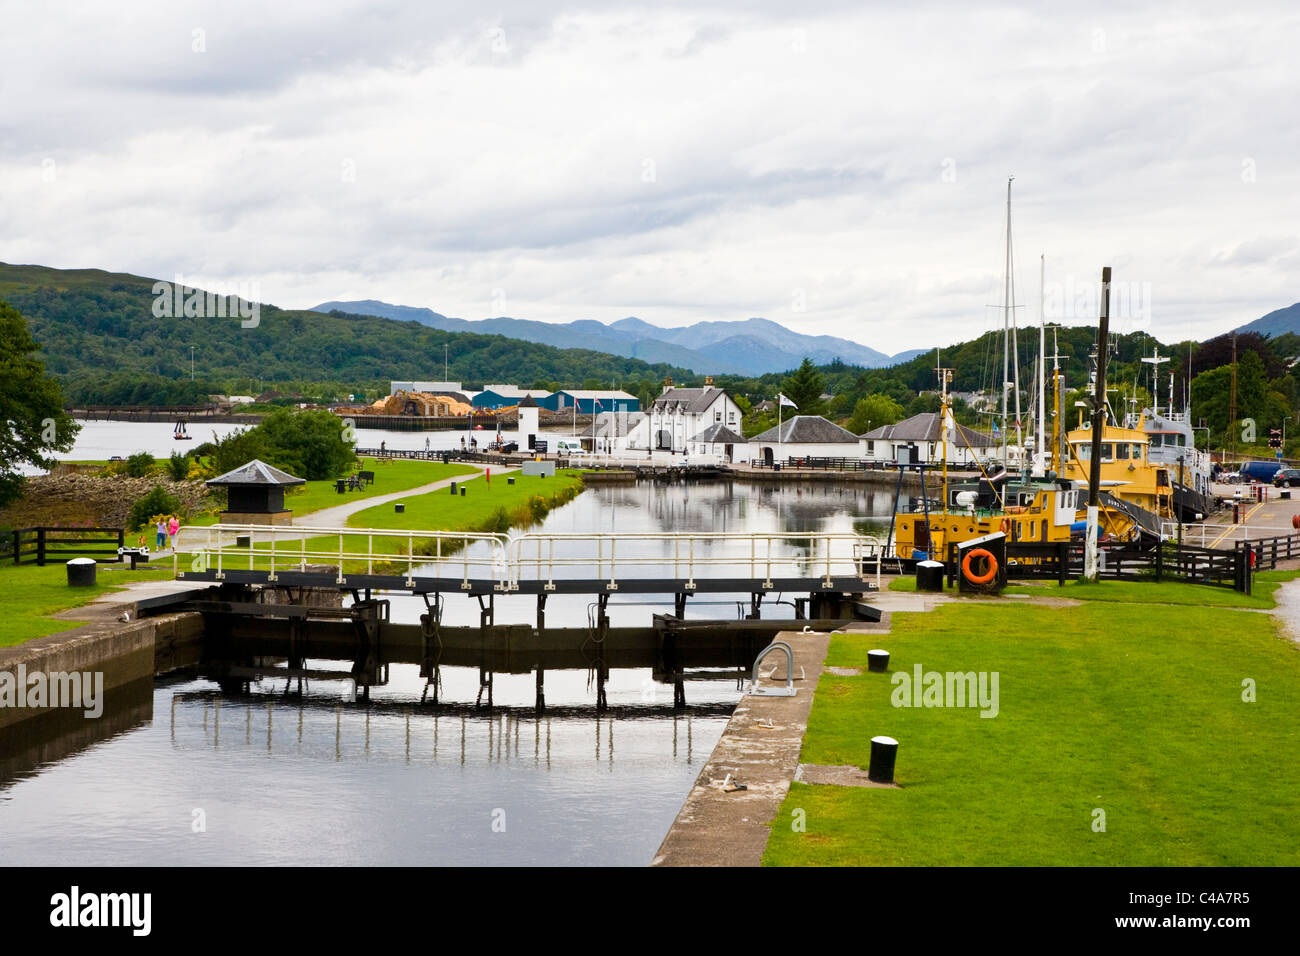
column 780, row 442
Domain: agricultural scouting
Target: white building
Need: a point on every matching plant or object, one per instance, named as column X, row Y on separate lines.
column 679, row 414
column 721, row 442
column 804, row 436
column 918, row 440
column 609, row 431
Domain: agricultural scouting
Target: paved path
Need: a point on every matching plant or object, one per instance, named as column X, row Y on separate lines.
column 337, row 516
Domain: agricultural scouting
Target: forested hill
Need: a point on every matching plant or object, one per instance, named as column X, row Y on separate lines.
column 103, row 341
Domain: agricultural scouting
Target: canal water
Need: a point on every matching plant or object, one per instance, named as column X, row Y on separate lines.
column 177, row 773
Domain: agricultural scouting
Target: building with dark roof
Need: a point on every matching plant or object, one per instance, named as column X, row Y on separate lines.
column 919, row 439
column 804, row 436
column 679, row 414
column 255, row 494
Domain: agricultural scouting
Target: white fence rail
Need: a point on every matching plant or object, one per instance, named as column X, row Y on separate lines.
column 534, row 557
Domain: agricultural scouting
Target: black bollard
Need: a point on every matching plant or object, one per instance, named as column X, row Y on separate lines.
column 243, row 541
column 878, row 661
column 929, row 575
column 453, row 488
column 462, row 491
column 81, row 572
column 884, row 750
column 399, row 508
column 510, row 481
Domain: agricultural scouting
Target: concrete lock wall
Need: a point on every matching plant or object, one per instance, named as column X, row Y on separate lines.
column 122, row 652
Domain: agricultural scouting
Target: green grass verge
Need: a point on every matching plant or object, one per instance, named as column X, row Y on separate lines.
column 487, row 507
column 28, row 594
column 1133, row 709
column 1140, row 592
column 390, row 476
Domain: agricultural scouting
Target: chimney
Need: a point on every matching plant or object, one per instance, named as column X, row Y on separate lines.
column 708, row 381
column 668, row 381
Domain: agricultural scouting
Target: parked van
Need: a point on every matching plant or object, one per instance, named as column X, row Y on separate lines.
column 567, row 446
column 1259, row 470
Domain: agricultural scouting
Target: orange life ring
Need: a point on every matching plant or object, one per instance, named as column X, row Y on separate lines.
column 1295, row 521
column 988, row 575
column 1006, row 525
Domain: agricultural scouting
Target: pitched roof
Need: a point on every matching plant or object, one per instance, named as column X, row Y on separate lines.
column 692, row 400
column 926, row 427
column 719, row 433
column 527, row 402
column 607, row 425
column 587, row 393
column 808, row 429
column 256, row 472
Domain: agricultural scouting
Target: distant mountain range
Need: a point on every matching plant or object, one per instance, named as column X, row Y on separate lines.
column 1277, row 322
column 747, row 347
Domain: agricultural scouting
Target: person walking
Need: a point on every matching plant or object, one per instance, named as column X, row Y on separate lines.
column 426, row 444
column 173, row 526
column 160, row 534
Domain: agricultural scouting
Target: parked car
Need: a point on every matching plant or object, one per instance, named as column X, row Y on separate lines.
column 1287, row 478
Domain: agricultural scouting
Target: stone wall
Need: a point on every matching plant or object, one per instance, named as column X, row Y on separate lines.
column 100, row 500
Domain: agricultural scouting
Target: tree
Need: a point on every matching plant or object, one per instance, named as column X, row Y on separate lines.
column 147, row 509
column 872, row 412
column 804, row 387
column 139, row 464
column 307, row 444
column 32, row 420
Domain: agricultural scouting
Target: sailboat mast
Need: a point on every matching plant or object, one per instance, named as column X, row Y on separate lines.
column 1042, row 355
column 1006, row 326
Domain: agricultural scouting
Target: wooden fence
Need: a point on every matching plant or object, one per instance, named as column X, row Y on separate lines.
column 39, row 545
column 1062, row 561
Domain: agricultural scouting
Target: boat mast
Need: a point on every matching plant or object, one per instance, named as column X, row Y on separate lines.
column 1010, row 370
column 1042, row 358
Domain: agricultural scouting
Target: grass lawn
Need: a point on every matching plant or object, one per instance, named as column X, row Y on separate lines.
column 1131, row 708
column 493, row 505
column 29, row 593
column 391, row 476
column 1140, row 592
column 488, row 506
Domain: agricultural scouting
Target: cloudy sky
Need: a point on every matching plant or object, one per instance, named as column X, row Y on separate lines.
column 840, row 168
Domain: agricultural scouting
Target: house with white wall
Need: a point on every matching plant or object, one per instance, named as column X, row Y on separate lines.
column 679, row 414
column 804, row 436
column 919, row 440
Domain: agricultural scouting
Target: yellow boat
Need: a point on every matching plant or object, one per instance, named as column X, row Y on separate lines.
column 1043, row 510
column 1126, row 471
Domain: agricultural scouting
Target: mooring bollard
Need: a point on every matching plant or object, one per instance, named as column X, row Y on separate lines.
column 462, row 491
column 81, row 573
column 243, row 541
column 929, row 575
column 453, row 489
column 884, row 751
column 399, row 508
column 510, row 481
column 878, row 661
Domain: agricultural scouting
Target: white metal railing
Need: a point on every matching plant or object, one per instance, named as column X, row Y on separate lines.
column 1209, row 535
column 606, row 556
column 611, row 555
column 228, row 546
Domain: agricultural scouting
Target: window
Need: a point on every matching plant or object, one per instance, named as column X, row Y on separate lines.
column 717, row 416
column 1121, row 451
column 1084, row 452
column 731, row 418
column 1107, row 452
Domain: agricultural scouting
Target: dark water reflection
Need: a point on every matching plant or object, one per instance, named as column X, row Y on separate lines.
column 327, row 780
